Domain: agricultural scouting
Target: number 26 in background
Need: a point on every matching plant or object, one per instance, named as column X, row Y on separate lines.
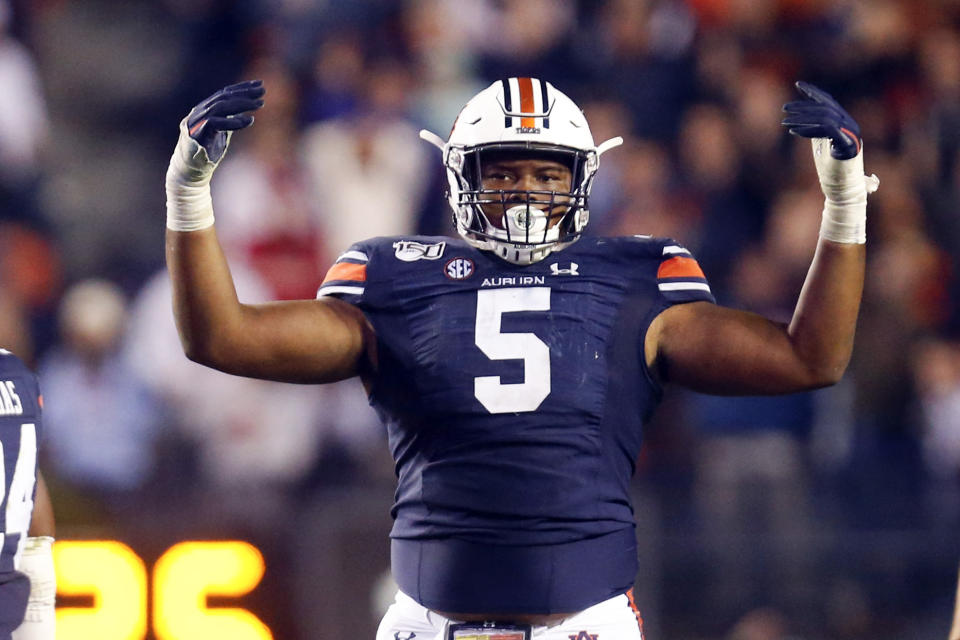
column 184, row 576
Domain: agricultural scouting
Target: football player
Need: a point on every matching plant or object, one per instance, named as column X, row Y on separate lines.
column 514, row 367
column 27, row 580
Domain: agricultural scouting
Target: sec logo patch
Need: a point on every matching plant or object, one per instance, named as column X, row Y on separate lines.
column 459, row 268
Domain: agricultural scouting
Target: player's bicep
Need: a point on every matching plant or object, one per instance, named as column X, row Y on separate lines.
column 305, row 341
column 714, row 349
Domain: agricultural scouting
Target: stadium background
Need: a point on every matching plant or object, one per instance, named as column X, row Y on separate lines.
column 829, row 515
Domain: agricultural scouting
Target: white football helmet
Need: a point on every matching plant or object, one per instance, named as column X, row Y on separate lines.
column 520, row 117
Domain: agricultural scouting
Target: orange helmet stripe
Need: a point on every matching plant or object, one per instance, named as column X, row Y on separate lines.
column 526, row 102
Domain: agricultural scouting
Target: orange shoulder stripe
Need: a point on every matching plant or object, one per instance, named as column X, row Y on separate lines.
column 347, row 271
column 680, row 267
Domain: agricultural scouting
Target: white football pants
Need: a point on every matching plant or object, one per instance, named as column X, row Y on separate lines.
column 613, row 619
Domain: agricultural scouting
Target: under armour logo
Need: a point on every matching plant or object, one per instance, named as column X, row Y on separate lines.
column 557, row 271
column 409, row 636
column 583, row 635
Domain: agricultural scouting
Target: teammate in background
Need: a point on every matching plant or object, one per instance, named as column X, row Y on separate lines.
column 514, row 369
column 27, row 580
column 40, row 617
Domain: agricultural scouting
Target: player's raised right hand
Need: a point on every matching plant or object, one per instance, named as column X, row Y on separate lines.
column 226, row 110
column 204, row 137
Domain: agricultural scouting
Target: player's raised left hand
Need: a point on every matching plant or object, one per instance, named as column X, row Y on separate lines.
column 820, row 116
column 838, row 156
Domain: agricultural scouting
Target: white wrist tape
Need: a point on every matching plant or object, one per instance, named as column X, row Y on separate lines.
column 189, row 205
column 845, row 189
column 37, row 563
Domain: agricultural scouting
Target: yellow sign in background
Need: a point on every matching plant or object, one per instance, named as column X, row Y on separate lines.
column 184, row 576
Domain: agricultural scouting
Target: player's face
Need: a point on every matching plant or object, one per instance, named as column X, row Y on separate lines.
column 526, row 174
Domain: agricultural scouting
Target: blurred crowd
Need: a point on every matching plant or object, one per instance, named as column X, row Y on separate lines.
column 772, row 491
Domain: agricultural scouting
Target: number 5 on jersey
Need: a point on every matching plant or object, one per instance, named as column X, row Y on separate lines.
column 495, row 396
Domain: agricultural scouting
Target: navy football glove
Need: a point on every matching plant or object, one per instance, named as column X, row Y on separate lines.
column 226, row 110
column 820, row 116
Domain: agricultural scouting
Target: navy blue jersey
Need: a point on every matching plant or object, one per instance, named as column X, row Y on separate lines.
column 514, row 399
column 20, row 406
column 14, row 595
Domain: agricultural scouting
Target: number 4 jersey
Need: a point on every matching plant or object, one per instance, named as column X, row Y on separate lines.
column 20, row 406
column 514, row 399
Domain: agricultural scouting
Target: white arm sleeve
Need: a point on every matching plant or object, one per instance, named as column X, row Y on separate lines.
column 37, row 563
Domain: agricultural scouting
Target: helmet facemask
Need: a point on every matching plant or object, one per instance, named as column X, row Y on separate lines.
column 521, row 226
